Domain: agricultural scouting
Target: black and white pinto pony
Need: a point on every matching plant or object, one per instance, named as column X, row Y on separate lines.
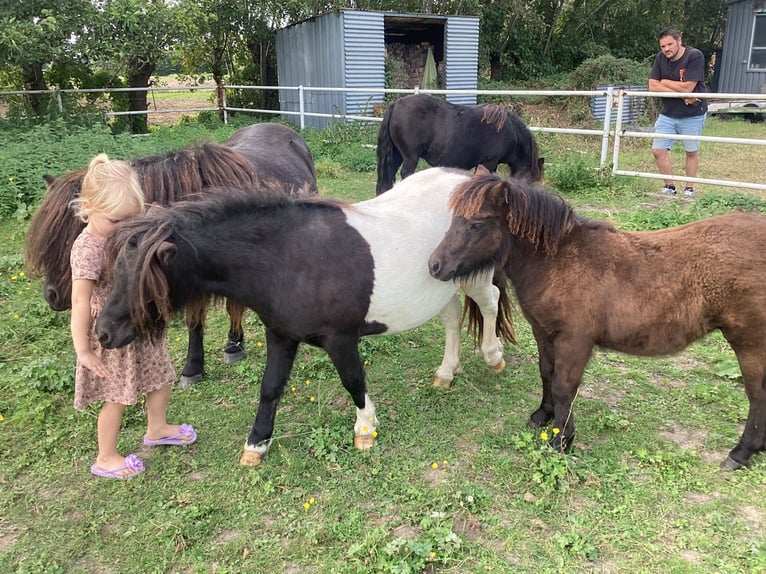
column 255, row 157
column 316, row 271
column 451, row 135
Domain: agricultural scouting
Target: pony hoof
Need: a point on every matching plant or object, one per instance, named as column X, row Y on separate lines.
column 187, row 382
column 499, row 367
column 251, row 458
column 363, row 441
column 442, row 383
column 730, row 464
column 233, row 357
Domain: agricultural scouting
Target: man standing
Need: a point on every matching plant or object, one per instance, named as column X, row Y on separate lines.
column 679, row 69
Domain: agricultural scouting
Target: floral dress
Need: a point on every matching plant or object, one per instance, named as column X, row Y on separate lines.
column 138, row 368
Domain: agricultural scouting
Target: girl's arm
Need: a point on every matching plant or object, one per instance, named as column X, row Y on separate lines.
column 81, row 292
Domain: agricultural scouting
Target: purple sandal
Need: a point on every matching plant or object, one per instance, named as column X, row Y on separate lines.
column 177, row 439
column 132, row 463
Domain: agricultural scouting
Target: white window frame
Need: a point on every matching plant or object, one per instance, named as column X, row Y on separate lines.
column 759, row 21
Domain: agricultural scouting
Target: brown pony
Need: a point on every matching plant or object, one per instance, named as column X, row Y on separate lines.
column 582, row 283
column 256, row 157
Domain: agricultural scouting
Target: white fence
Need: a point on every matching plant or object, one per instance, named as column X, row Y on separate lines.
column 613, row 129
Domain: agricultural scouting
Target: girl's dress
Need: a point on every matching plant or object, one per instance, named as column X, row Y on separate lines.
column 138, row 368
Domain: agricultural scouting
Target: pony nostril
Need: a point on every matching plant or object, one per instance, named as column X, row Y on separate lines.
column 103, row 338
column 435, row 266
column 51, row 296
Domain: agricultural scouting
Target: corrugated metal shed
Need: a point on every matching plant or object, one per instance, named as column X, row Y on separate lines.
column 347, row 49
column 734, row 76
column 462, row 58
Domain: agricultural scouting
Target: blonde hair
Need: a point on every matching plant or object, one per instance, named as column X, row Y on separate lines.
column 108, row 187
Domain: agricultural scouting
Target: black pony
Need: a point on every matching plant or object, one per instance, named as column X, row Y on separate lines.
column 257, row 157
column 451, row 135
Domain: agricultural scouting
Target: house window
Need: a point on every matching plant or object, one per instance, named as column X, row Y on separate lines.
column 758, row 46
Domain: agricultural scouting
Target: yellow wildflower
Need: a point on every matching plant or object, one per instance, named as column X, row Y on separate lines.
column 544, row 435
column 258, row 344
column 312, row 399
column 306, row 506
column 21, row 274
column 434, row 465
column 556, row 430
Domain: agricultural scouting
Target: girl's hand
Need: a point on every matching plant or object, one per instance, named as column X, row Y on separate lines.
column 92, row 362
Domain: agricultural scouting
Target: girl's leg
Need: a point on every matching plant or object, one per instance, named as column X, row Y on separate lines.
column 157, row 426
column 109, row 423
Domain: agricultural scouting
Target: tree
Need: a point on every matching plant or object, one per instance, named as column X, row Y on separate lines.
column 40, row 34
column 134, row 36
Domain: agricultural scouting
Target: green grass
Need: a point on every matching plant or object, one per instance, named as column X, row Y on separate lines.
column 455, row 483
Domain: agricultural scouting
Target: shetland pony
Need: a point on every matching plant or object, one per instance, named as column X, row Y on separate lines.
column 271, row 155
column 315, row 271
column 582, row 283
column 450, row 135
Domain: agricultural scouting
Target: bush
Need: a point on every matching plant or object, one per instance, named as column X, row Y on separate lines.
column 608, row 70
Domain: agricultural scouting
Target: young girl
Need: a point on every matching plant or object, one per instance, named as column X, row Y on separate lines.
column 111, row 193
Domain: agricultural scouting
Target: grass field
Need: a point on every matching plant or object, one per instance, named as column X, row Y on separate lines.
column 456, row 483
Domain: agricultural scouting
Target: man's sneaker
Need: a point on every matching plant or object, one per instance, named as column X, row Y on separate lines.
column 669, row 189
column 689, row 191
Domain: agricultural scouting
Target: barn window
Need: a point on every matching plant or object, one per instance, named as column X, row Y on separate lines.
column 758, row 45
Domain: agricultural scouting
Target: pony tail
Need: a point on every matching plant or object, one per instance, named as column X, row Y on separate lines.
column 389, row 158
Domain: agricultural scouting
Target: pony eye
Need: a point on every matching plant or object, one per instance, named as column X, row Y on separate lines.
column 476, row 226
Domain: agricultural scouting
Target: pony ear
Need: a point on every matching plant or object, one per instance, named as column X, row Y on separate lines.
column 49, row 179
column 166, row 251
column 481, row 170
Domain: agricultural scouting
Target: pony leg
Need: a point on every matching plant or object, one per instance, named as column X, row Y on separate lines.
column 280, row 354
column 409, row 166
column 451, row 361
column 234, row 350
column 194, row 366
column 344, row 353
column 570, row 358
column 753, row 438
column 486, row 296
column 545, row 362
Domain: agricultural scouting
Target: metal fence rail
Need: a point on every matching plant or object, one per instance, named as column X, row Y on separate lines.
column 612, row 130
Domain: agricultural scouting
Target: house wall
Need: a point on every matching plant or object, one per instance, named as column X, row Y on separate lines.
column 734, row 78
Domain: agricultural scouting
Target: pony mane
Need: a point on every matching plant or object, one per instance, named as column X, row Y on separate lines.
column 531, row 211
column 495, row 114
column 53, row 228
column 182, row 174
column 165, row 178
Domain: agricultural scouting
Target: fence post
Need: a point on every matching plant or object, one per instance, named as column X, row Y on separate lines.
column 617, row 131
column 607, row 125
column 221, row 97
column 300, row 105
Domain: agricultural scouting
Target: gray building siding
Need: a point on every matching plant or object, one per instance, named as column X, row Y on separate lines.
column 311, row 54
column 462, row 58
column 734, row 77
column 347, row 48
column 364, row 49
